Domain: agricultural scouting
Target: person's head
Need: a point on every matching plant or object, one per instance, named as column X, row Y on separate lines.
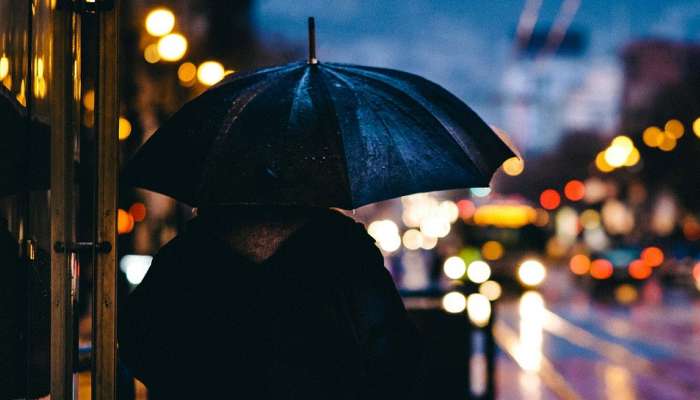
column 244, row 214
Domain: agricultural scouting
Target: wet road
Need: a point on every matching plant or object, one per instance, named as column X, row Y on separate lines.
column 573, row 347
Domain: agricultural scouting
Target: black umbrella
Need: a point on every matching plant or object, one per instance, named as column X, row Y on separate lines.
column 322, row 134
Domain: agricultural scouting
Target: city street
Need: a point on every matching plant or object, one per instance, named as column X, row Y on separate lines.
column 574, row 347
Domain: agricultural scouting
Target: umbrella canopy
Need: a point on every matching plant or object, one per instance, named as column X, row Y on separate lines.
column 320, row 134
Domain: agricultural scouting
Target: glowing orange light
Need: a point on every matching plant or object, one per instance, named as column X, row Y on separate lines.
column 138, row 211
column 466, row 208
column 638, row 269
column 691, row 229
column 653, row 256
column 675, row 128
column 601, row 269
column 696, row 271
column 550, row 199
column 580, row 264
column 492, row 250
column 574, row 190
column 125, row 222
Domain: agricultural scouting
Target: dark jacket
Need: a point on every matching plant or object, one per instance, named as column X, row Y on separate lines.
column 320, row 319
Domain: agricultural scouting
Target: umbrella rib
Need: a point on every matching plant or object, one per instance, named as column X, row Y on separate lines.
column 362, row 98
column 233, row 114
column 420, row 101
column 329, row 100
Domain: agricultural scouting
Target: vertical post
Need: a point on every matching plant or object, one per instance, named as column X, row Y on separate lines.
column 312, row 41
column 62, row 229
column 106, row 119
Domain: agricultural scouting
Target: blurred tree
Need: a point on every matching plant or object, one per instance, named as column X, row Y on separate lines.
column 662, row 82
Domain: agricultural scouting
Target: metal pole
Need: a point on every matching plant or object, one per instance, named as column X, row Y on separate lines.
column 106, row 119
column 312, row 41
column 62, row 229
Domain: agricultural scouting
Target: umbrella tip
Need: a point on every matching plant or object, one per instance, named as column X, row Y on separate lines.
column 312, row 41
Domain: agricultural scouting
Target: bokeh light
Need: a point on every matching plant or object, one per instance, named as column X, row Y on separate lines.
column 138, row 211
column 492, row 250
column 428, row 242
column 513, row 166
column 454, row 302
column 590, row 219
column 454, row 267
column 172, row 47
column 135, row 267
column 505, row 215
column 696, row 127
column 150, row 53
column 616, row 156
column 531, row 273
column 124, row 128
column 478, row 271
column 478, row 309
column 125, row 222
column 210, row 72
column 480, row 192
column 449, row 210
column 626, row 294
column 412, row 239
column 668, row 143
column 4, row 67
column 674, row 128
column 575, row 190
column 652, row 256
column 638, row 269
column 89, row 100
column 602, row 164
column 632, row 158
column 187, row 73
column 652, row 136
column 386, row 233
column 696, row 271
column 466, row 208
column 491, row 289
column 580, row 264
column 160, row 22
column 601, row 269
column 550, row 199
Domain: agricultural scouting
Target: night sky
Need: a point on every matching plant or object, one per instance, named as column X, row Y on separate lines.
column 464, row 45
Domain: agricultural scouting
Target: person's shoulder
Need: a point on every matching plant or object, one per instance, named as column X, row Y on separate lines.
column 345, row 225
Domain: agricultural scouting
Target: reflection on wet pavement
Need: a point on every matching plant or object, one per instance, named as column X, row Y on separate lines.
column 577, row 348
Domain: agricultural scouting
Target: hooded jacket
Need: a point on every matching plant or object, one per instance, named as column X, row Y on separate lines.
column 319, row 319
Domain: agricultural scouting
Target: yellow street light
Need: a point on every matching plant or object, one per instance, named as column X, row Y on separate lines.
column 187, row 72
column 674, row 128
column 652, row 136
column 124, row 128
column 454, row 302
column 479, row 309
column 172, row 47
column 454, row 267
column 4, row 67
column 531, row 273
column 160, row 22
column 210, row 72
column 150, row 53
column 478, row 271
column 513, row 166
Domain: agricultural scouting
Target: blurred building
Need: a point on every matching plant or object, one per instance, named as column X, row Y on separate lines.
column 550, row 89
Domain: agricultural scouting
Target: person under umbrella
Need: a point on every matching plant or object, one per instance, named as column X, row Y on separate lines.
column 269, row 293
